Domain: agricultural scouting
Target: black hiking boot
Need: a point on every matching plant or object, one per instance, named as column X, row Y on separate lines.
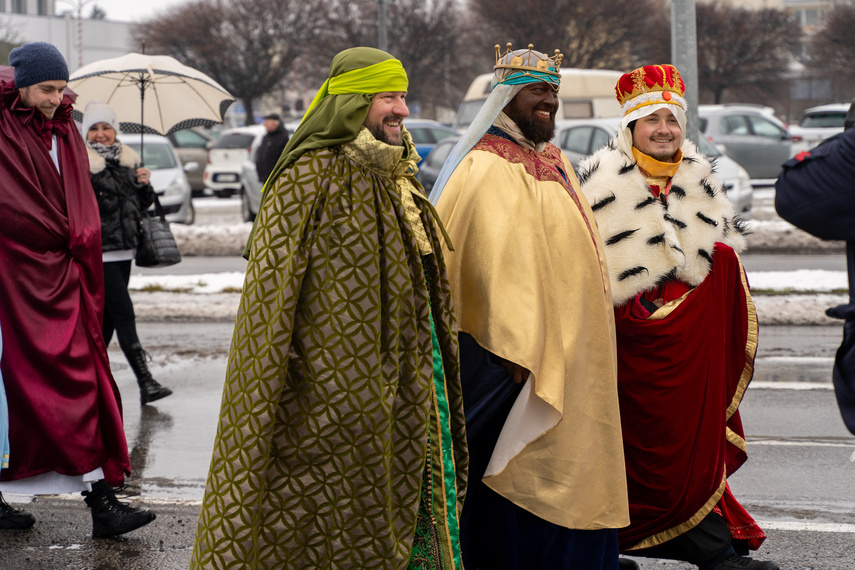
column 111, row 517
column 150, row 389
column 12, row 518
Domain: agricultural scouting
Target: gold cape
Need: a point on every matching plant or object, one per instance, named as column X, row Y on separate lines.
column 530, row 284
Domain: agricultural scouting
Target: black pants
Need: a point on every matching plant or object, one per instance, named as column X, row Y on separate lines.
column 118, row 308
column 707, row 544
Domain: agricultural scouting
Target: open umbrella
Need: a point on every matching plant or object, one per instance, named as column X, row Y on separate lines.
column 154, row 94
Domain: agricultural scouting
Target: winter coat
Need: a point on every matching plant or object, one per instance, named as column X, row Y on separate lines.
column 269, row 151
column 121, row 199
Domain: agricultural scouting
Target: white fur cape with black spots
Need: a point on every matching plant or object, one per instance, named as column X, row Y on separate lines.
column 650, row 240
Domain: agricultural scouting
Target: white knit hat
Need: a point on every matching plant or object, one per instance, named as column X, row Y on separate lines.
column 98, row 112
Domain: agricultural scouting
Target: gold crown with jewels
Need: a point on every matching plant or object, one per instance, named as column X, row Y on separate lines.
column 527, row 61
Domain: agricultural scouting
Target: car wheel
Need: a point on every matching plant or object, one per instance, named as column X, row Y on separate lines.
column 245, row 211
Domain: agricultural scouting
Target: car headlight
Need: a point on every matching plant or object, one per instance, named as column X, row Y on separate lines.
column 743, row 178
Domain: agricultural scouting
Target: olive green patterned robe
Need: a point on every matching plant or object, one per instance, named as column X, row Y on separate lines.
column 331, row 409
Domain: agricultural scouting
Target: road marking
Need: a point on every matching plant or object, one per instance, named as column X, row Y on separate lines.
column 803, row 526
column 791, row 386
column 801, row 444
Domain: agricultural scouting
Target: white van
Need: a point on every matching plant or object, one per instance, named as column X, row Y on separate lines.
column 584, row 94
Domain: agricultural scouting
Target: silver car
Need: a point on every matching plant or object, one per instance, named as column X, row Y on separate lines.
column 168, row 175
column 579, row 138
column 751, row 135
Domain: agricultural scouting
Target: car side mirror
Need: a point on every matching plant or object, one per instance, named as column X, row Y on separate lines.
column 191, row 167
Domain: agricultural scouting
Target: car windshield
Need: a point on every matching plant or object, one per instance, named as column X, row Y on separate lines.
column 834, row 119
column 155, row 156
column 234, row 140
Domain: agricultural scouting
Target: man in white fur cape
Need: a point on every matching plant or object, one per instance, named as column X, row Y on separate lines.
column 686, row 329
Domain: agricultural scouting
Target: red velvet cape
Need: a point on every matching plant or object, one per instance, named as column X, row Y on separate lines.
column 680, row 381
column 64, row 407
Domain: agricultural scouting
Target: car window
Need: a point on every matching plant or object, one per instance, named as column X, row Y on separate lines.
column 439, row 134
column 577, row 139
column 467, row 112
column 734, row 125
column 599, row 139
column 823, row 120
column 421, row 136
column 234, row 140
column 765, row 128
column 707, row 148
column 155, row 156
column 439, row 153
column 188, row 139
column 702, row 124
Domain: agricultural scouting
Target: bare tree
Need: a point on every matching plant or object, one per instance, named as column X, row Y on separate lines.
column 615, row 34
column 426, row 35
column 247, row 46
column 832, row 49
column 741, row 46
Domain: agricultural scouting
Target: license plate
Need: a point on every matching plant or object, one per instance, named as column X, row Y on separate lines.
column 225, row 178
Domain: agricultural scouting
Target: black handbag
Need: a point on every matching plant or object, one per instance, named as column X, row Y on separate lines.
column 156, row 247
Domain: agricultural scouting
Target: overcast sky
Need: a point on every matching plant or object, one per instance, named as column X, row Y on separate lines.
column 121, row 10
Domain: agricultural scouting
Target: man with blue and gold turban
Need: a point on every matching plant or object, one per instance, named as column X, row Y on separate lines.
column 341, row 439
column 537, row 338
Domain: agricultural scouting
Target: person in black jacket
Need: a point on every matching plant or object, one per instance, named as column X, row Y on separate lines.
column 271, row 146
column 815, row 192
column 124, row 193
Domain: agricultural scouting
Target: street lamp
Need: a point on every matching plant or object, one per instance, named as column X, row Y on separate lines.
column 381, row 25
column 79, row 4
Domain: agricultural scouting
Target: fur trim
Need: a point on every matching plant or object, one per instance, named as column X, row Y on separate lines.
column 129, row 159
column 648, row 240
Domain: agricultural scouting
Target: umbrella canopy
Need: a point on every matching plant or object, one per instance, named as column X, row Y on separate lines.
column 154, row 94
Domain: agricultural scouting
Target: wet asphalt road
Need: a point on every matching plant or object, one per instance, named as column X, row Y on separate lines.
column 800, row 473
column 800, row 470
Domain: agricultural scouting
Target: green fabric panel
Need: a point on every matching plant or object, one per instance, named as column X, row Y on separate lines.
column 447, row 510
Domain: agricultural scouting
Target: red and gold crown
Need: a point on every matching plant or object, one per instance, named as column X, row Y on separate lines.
column 650, row 85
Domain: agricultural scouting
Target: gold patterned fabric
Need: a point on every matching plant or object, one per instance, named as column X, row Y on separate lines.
column 330, row 405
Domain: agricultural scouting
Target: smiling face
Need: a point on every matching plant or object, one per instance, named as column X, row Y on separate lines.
column 657, row 135
column 45, row 96
column 533, row 110
column 101, row 133
column 386, row 117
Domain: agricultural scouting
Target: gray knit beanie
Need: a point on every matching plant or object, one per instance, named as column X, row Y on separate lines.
column 36, row 62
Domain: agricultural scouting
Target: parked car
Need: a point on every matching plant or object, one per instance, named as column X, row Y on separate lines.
column 751, row 135
column 250, row 189
column 817, row 124
column 427, row 133
column 431, row 165
column 192, row 146
column 168, row 175
column 226, row 156
column 582, row 137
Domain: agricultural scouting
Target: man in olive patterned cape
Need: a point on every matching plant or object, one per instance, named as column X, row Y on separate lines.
column 340, row 441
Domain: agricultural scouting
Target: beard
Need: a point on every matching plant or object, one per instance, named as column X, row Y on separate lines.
column 379, row 132
column 534, row 129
